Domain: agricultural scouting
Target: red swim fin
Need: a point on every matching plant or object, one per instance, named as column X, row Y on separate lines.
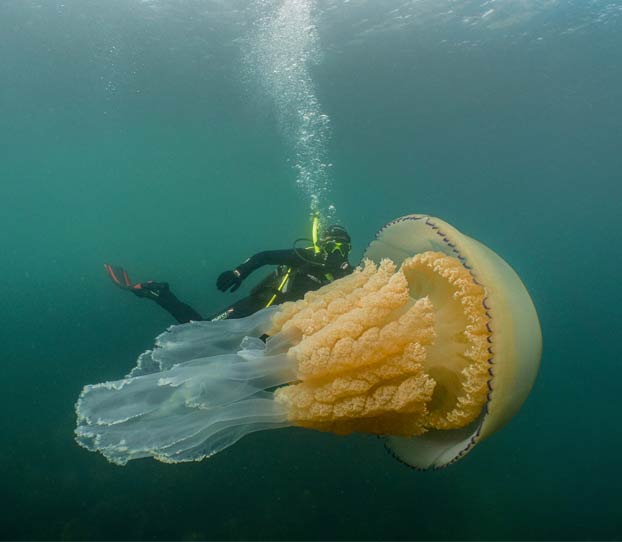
column 119, row 276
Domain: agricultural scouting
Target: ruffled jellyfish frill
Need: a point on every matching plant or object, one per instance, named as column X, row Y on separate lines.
column 432, row 342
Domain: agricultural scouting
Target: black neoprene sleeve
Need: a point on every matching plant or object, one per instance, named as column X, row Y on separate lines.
column 269, row 257
column 180, row 311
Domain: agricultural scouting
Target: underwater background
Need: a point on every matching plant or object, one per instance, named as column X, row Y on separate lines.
column 178, row 137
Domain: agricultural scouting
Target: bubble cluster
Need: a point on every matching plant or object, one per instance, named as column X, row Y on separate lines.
column 284, row 47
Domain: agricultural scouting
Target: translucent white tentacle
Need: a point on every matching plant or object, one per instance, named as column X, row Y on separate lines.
column 201, row 339
column 193, row 400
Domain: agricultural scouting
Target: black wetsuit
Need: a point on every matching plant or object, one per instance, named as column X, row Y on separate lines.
column 307, row 271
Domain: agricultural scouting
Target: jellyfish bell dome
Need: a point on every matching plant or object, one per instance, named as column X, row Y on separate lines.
column 432, row 342
column 514, row 338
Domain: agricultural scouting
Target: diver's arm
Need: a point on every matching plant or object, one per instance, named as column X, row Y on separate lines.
column 233, row 279
column 268, row 257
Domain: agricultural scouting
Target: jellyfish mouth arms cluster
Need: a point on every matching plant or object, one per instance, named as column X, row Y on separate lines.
column 390, row 352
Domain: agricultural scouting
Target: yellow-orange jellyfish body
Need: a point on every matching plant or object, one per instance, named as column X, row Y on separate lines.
column 515, row 340
column 388, row 351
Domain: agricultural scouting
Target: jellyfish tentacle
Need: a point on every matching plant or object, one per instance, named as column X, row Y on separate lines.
column 182, row 343
column 189, row 411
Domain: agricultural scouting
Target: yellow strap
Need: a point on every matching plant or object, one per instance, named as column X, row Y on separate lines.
column 314, row 232
column 281, row 286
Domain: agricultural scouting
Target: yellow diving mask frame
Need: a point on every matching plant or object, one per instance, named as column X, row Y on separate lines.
column 327, row 245
column 330, row 245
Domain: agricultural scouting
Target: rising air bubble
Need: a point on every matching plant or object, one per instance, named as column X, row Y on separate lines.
column 284, row 47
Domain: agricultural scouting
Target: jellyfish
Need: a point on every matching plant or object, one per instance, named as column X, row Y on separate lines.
column 433, row 343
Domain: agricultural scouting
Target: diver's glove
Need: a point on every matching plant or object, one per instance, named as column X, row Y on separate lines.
column 229, row 279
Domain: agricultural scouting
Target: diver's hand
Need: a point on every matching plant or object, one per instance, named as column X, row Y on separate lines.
column 229, row 279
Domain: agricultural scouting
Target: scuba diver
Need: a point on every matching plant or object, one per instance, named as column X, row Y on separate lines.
column 298, row 271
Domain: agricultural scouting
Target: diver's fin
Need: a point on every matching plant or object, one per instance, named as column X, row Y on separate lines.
column 119, row 276
column 149, row 289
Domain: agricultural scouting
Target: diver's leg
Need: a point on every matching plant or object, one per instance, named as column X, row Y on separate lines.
column 244, row 307
column 156, row 291
column 162, row 295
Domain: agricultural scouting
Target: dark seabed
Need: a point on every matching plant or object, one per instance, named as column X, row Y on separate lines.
column 163, row 135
